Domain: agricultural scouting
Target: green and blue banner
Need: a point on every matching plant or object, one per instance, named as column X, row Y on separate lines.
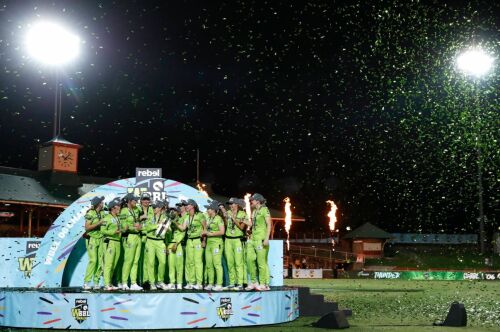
column 429, row 275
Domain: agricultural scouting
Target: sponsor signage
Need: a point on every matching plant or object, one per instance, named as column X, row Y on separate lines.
column 26, row 262
column 225, row 310
column 305, row 273
column 491, row 275
column 80, row 311
column 428, row 275
column 149, row 180
column 481, row 275
column 386, row 275
column 142, row 174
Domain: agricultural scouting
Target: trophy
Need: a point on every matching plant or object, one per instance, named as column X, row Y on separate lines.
column 163, row 227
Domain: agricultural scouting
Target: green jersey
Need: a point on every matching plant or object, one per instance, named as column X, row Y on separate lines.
column 232, row 230
column 259, row 226
column 130, row 217
column 177, row 234
column 93, row 217
column 110, row 226
column 149, row 212
column 195, row 225
column 213, row 225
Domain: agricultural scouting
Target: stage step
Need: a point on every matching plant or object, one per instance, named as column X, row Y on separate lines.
column 314, row 304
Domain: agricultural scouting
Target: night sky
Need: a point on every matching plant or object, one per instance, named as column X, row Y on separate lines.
column 355, row 101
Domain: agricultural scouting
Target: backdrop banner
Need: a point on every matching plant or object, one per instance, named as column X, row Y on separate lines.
column 18, row 256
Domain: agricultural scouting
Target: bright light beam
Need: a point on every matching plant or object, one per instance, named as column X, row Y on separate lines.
column 52, row 44
column 475, row 62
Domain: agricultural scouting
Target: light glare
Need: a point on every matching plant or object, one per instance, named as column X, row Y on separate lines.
column 52, row 44
column 475, row 62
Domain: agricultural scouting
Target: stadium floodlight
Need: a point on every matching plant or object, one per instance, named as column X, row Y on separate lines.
column 475, row 62
column 55, row 46
column 52, row 44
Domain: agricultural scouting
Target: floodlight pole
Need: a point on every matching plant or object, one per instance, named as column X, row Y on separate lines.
column 479, row 163
column 480, row 198
column 468, row 64
column 57, row 102
column 197, row 166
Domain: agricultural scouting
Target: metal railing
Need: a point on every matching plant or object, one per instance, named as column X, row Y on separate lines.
column 320, row 253
column 313, row 236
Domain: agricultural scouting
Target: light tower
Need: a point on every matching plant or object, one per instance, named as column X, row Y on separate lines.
column 54, row 46
column 476, row 63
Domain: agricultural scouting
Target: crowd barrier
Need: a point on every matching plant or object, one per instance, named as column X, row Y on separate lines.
column 427, row 275
column 403, row 275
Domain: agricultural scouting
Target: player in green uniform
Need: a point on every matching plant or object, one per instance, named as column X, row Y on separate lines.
column 156, row 229
column 95, row 248
column 196, row 224
column 174, row 247
column 233, row 246
column 215, row 246
column 130, row 215
column 258, row 244
column 112, row 230
column 146, row 214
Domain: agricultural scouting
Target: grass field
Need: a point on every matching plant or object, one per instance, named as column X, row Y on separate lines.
column 400, row 305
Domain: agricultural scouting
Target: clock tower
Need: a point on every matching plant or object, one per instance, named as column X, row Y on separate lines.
column 58, row 155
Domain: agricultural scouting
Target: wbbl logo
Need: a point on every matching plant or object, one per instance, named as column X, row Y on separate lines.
column 149, row 180
column 226, row 308
column 81, row 310
column 26, row 263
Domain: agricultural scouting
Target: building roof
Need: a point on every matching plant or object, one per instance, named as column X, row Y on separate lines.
column 41, row 188
column 28, row 190
column 367, row 231
column 61, row 140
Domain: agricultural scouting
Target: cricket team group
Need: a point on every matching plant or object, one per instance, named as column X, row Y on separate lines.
column 139, row 244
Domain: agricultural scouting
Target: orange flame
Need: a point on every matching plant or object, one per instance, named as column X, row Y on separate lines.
column 248, row 210
column 201, row 188
column 288, row 220
column 333, row 218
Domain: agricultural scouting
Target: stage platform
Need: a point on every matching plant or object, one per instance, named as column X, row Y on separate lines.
column 73, row 308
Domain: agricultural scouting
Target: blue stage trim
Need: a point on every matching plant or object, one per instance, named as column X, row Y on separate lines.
column 137, row 311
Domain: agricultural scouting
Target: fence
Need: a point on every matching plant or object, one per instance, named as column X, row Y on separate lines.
column 402, row 238
column 415, row 238
column 318, row 257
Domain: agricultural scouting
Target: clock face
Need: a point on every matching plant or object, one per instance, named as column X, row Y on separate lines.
column 65, row 159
